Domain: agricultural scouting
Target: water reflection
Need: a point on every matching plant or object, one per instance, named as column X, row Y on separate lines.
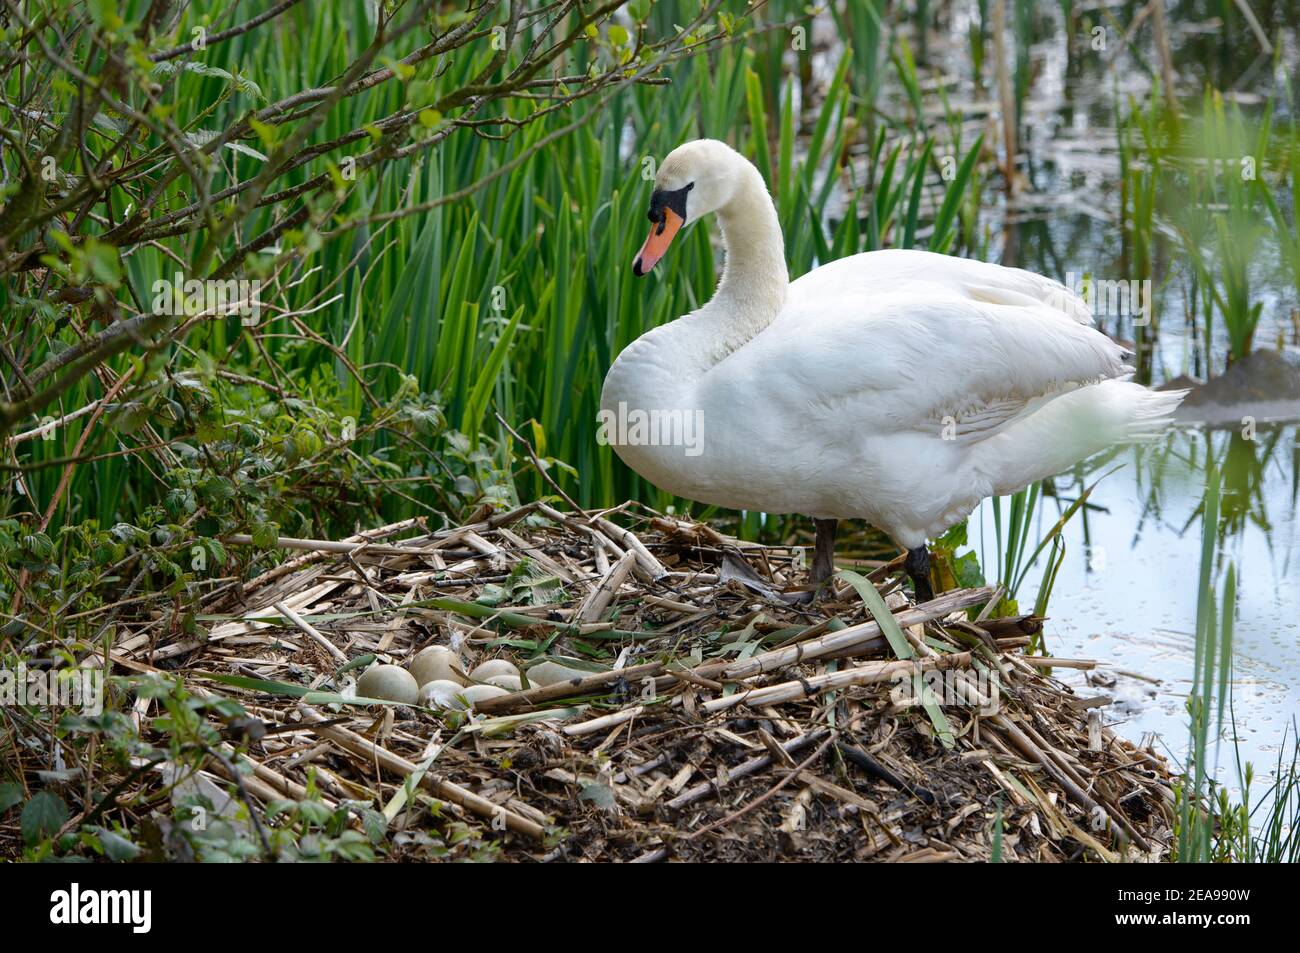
column 1126, row 593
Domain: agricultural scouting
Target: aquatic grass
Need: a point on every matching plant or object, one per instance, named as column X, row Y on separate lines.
column 908, row 79
column 1285, row 233
column 946, row 219
column 1273, row 824
column 861, row 20
column 1210, row 825
column 1051, row 568
column 1022, row 29
column 1012, row 540
column 1219, row 182
column 1220, row 228
column 977, row 41
column 1017, row 550
column 1196, row 804
column 1142, row 180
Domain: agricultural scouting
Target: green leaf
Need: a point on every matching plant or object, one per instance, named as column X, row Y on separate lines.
column 361, row 661
column 599, row 795
column 937, row 717
column 105, row 266
column 476, row 406
column 941, row 237
column 955, row 537
column 44, row 814
column 758, row 124
column 266, row 535
column 375, row 824
column 875, row 604
column 116, row 847
column 966, row 570
column 10, row 794
column 265, row 685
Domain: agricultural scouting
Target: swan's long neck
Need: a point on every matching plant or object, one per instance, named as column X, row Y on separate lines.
column 754, row 277
column 660, row 368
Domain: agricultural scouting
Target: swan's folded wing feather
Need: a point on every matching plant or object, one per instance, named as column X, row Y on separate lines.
column 979, row 421
column 896, row 270
column 945, row 363
column 1043, row 292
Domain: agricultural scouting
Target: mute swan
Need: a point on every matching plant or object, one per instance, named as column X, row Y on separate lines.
column 899, row 387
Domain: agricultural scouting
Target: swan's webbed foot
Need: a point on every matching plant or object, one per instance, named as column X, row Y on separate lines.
column 917, row 566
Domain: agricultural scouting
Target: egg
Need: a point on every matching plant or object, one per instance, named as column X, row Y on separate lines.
column 548, row 673
column 437, row 662
column 440, row 693
column 389, row 683
column 510, row 683
column 493, row 667
column 477, row 693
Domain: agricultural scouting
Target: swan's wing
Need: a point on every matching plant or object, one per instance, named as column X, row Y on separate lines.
column 897, row 270
column 953, row 364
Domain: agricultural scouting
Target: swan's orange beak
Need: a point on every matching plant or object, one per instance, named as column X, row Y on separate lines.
column 661, row 236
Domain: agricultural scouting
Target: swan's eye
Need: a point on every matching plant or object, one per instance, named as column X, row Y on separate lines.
column 674, row 199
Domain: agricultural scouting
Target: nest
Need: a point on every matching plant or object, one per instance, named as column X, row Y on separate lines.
column 708, row 716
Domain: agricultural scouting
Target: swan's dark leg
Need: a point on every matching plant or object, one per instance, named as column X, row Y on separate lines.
column 917, row 565
column 823, row 561
column 824, row 551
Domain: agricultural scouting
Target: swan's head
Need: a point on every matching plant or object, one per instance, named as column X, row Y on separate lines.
column 696, row 178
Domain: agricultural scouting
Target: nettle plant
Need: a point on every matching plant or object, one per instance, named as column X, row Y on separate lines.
column 260, row 467
column 160, row 807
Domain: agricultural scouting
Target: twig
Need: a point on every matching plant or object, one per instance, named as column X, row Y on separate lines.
column 765, row 796
column 537, row 465
column 396, row 764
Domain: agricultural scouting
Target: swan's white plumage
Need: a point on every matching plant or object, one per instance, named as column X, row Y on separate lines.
column 901, row 387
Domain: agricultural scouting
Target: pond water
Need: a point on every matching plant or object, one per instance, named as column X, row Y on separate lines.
column 1126, row 593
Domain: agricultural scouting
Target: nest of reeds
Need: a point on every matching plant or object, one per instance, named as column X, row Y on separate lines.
column 706, row 717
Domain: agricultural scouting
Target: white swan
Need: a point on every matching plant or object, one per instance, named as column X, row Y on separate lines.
column 899, row 387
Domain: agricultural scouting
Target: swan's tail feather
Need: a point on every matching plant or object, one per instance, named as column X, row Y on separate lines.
column 1152, row 412
column 1072, row 427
